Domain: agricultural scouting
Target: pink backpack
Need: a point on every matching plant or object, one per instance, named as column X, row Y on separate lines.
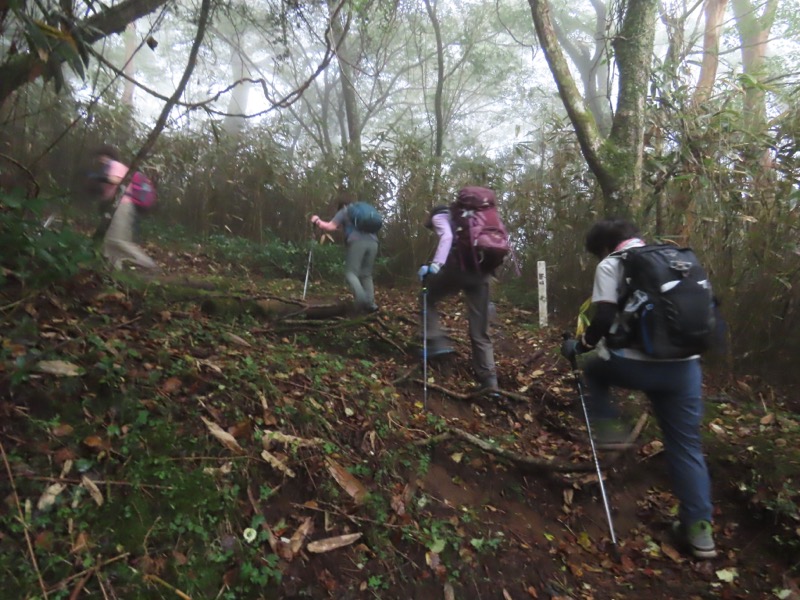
column 481, row 238
column 142, row 192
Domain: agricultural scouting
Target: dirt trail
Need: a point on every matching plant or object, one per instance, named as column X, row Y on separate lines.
column 441, row 519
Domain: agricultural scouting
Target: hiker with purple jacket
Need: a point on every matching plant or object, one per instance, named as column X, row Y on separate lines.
column 449, row 273
column 118, row 242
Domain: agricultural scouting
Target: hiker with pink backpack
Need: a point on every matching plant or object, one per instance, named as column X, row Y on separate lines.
column 121, row 211
column 473, row 243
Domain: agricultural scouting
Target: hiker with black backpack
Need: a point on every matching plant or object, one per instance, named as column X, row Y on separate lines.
column 653, row 316
column 120, row 211
column 472, row 243
column 361, row 222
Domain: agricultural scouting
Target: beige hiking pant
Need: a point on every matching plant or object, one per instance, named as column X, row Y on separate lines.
column 118, row 244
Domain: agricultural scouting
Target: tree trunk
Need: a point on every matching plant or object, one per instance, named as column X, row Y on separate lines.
column 616, row 161
column 237, row 107
column 753, row 35
column 129, row 68
column 351, row 144
column 592, row 65
column 633, row 49
column 437, row 101
column 22, row 68
column 714, row 12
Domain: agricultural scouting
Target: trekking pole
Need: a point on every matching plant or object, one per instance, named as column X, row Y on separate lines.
column 574, row 364
column 308, row 269
column 424, row 344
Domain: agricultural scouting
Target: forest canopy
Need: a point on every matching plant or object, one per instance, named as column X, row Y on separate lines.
column 682, row 116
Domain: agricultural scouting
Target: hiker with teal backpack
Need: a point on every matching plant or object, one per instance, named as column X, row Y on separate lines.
column 653, row 316
column 361, row 222
column 472, row 244
column 121, row 208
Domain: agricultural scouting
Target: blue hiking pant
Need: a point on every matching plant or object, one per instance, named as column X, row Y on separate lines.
column 674, row 389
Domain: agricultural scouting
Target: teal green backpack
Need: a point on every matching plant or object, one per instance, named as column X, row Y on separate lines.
column 364, row 217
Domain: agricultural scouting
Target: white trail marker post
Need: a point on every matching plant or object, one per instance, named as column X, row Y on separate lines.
column 542, row 278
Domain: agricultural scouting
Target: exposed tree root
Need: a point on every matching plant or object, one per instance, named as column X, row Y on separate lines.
column 523, row 461
column 472, row 395
column 529, row 463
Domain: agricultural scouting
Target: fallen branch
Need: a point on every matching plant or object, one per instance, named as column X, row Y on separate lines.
column 81, row 584
column 525, row 462
column 405, row 375
column 172, row 588
column 95, row 569
column 619, row 449
column 108, row 481
column 531, row 463
column 23, row 522
column 377, row 333
column 473, row 395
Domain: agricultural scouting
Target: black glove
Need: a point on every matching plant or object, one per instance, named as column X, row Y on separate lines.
column 571, row 348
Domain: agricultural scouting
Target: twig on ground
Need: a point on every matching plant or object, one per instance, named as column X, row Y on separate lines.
column 23, row 522
column 434, row 439
column 374, row 331
column 404, row 376
column 473, row 395
column 445, row 391
column 161, row 582
column 79, row 588
column 96, row 568
column 629, row 441
column 102, row 587
column 99, row 482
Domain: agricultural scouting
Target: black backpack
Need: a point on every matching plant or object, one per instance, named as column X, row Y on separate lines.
column 667, row 306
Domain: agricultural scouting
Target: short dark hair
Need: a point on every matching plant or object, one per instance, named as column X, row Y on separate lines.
column 605, row 235
column 108, row 150
column 344, row 196
column 436, row 210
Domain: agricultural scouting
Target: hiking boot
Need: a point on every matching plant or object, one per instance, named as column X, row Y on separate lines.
column 610, row 433
column 436, row 351
column 489, row 387
column 698, row 538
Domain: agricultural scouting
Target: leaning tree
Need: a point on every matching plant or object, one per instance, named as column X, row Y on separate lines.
column 615, row 159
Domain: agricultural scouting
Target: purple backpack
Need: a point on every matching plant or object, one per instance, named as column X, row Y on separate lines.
column 142, row 192
column 480, row 236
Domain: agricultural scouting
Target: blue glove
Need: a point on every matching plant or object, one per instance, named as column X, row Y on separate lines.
column 423, row 272
column 426, row 270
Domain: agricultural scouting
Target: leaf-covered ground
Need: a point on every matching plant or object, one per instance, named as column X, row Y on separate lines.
column 151, row 450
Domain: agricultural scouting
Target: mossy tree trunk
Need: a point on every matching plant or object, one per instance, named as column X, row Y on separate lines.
column 616, row 160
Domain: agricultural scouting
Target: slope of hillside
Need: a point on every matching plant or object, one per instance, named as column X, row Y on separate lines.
column 153, row 450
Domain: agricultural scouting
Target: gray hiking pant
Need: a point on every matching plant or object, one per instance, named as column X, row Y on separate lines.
column 450, row 280
column 359, row 262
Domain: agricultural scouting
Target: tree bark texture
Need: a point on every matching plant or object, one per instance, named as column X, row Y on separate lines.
column 129, row 68
column 25, row 67
column 633, row 50
column 437, row 100
column 753, row 35
column 352, row 143
column 616, row 161
column 592, row 65
column 714, row 12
